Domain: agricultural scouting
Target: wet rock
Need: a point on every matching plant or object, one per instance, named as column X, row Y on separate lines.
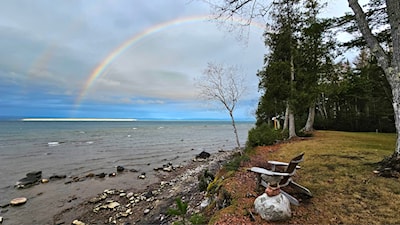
column 158, row 168
column 167, row 169
column 44, row 181
column 31, row 179
column 148, row 194
column 142, row 176
column 112, row 174
column 120, row 169
column 90, row 175
column 18, row 201
column 57, row 177
column 37, row 174
column 59, row 222
column 203, row 155
column 101, row 175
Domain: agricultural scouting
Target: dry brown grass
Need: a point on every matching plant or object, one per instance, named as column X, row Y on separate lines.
column 338, row 169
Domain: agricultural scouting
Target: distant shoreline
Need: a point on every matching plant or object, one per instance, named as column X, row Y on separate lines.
column 76, row 120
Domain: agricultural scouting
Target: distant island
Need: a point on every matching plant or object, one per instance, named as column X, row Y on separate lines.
column 76, row 120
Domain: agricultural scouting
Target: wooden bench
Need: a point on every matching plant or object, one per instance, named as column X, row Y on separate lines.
column 282, row 179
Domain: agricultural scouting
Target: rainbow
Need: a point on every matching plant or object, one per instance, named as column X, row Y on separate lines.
column 102, row 66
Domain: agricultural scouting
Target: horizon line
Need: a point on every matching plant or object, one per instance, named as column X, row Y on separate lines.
column 78, row 120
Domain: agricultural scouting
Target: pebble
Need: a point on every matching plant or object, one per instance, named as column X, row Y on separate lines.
column 44, row 181
column 167, row 169
column 112, row 174
column 146, row 211
column 1, row 219
column 113, row 205
column 129, row 195
column 18, row 201
column 77, row 222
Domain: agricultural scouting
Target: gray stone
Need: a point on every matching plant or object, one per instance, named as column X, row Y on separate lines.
column 273, row 208
column 205, row 203
column 113, row 205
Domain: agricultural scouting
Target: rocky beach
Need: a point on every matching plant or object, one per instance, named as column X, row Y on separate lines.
column 58, row 166
column 126, row 197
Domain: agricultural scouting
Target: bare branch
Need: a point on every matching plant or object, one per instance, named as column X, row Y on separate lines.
column 223, row 85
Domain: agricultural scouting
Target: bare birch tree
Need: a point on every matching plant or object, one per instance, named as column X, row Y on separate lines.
column 222, row 84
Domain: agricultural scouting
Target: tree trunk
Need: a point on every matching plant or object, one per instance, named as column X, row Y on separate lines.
column 309, row 127
column 286, row 121
column 292, row 126
column 396, row 108
column 390, row 67
column 235, row 131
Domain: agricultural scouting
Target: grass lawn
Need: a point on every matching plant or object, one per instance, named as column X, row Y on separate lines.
column 339, row 171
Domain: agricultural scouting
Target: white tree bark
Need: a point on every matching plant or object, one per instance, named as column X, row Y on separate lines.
column 309, row 127
column 286, row 121
column 223, row 85
column 292, row 126
column 391, row 66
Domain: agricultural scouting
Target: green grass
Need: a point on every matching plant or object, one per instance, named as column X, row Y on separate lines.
column 338, row 169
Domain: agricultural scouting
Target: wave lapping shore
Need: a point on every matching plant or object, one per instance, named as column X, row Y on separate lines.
column 148, row 206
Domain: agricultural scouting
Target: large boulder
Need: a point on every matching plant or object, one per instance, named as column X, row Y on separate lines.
column 274, row 208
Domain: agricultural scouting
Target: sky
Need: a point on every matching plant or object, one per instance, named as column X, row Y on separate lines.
column 122, row 58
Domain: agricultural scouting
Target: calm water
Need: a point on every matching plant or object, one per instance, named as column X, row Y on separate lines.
column 79, row 148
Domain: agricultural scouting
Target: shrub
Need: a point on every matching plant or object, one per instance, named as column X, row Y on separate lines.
column 264, row 135
column 235, row 162
column 205, row 178
column 198, row 219
column 180, row 210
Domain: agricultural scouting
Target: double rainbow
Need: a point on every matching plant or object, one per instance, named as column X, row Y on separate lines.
column 102, row 66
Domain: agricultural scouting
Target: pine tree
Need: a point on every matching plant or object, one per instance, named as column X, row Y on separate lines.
column 277, row 79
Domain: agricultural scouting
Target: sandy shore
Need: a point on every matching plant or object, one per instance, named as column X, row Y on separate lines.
column 59, row 203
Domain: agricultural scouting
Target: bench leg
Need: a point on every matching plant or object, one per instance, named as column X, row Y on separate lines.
column 302, row 189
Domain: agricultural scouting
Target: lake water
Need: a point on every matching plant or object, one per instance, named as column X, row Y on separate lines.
column 80, row 148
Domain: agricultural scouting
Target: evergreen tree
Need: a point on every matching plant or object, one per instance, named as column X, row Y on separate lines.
column 277, row 78
column 315, row 46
